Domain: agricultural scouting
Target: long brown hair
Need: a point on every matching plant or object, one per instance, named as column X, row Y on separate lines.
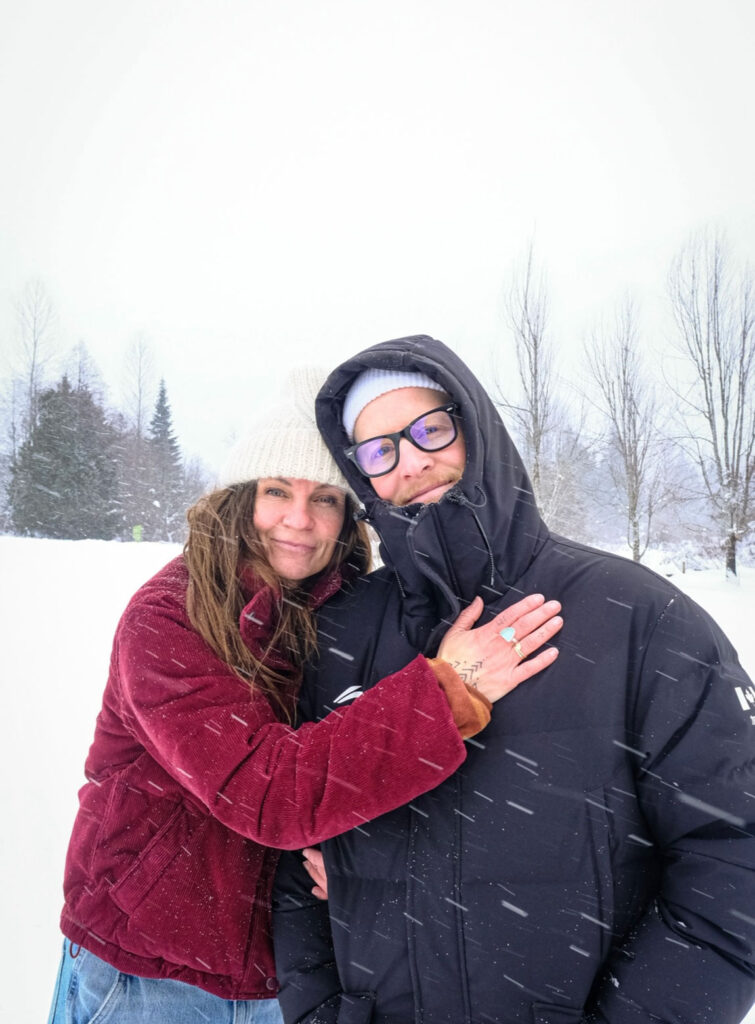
column 222, row 541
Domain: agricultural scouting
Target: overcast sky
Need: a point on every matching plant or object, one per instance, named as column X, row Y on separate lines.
column 254, row 184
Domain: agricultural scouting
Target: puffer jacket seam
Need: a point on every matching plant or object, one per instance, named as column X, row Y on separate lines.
column 410, row 922
column 678, row 735
column 461, row 947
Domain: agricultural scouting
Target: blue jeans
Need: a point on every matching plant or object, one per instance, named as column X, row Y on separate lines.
column 89, row 991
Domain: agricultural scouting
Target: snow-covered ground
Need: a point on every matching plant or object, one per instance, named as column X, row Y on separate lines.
column 59, row 604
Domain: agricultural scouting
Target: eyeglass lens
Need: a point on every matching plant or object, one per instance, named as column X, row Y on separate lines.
column 431, row 432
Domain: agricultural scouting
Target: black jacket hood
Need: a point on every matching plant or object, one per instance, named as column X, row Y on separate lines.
column 483, row 534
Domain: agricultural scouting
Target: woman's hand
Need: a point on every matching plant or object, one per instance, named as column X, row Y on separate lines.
column 495, row 664
column 315, row 868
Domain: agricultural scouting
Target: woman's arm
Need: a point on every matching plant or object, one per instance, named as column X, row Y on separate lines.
column 280, row 786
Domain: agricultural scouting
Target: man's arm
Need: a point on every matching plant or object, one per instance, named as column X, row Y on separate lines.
column 305, row 962
column 690, row 959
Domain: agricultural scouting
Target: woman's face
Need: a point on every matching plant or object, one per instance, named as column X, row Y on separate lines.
column 298, row 523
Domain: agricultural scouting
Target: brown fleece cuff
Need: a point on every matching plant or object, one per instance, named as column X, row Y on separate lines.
column 471, row 710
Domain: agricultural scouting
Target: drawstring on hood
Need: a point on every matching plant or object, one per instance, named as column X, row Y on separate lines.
column 461, row 499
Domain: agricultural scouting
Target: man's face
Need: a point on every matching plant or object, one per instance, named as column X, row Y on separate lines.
column 419, row 476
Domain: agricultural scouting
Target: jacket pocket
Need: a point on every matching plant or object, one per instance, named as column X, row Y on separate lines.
column 183, row 895
column 356, row 1008
column 548, row 1013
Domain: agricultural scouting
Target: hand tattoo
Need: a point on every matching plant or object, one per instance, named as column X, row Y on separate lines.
column 467, row 672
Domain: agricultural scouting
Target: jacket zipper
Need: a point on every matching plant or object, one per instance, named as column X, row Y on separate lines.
column 461, row 499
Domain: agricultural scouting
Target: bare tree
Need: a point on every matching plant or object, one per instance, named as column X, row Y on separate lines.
column 714, row 317
column 550, row 437
column 527, row 314
column 10, row 441
column 139, row 383
column 35, row 316
column 24, row 364
column 626, row 400
column 570, row 479
column 83, row 372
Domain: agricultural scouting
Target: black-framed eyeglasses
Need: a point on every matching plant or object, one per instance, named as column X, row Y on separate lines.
column 431, row 432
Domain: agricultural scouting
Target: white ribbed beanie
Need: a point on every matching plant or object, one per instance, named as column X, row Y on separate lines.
column 371, row 384
column 285, row 442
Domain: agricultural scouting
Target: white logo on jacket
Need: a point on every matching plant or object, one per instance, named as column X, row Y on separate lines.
column 348, row 694
column 747, row 699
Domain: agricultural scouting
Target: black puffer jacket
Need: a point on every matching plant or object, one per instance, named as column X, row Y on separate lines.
column 592, row 858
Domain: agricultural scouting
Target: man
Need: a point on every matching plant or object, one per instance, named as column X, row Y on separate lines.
column 592, row 858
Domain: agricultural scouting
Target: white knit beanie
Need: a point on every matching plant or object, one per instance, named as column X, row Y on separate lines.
column 285, row 442
column 372, row 384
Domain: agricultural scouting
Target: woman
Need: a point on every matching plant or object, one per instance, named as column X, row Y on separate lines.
column 196, row 776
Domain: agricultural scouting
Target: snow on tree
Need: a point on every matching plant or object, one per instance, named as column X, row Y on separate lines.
column 64, row 477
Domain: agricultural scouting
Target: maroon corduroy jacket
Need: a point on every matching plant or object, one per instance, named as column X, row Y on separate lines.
column 193, row 784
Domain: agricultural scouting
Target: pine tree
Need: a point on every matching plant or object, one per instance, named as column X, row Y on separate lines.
column 63, row 480
column 164, row 514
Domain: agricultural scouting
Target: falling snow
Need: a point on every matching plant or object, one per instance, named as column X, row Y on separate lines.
column 59, row 604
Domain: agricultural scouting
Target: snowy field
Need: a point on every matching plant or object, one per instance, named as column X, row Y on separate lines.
column 59, row 604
